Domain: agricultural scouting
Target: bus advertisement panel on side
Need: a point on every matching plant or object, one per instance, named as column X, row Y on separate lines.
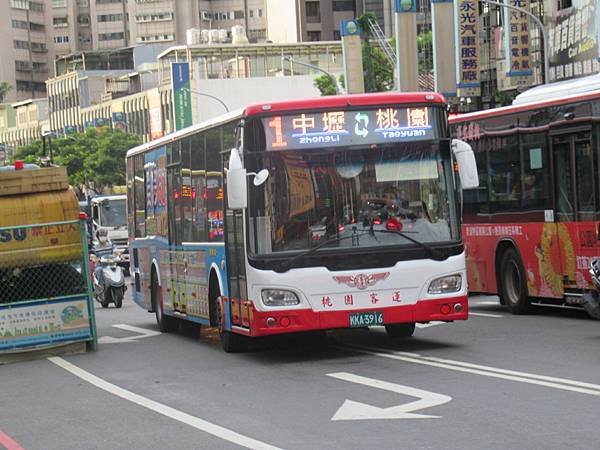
column 297, row 216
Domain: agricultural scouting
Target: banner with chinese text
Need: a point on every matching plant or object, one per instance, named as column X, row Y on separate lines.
column 467, row 47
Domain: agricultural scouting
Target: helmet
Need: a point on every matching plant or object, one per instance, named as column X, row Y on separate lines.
column 595, row 272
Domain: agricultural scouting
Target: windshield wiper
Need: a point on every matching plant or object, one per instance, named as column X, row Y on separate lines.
column 286, row 265
column 434, row 254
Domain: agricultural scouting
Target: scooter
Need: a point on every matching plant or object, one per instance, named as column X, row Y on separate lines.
column 112, row 288
column 591, row 299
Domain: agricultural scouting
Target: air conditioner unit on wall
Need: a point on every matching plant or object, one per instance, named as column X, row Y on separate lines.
column 205, row 15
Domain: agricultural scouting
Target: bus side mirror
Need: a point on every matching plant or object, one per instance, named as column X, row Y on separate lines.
column 467, row 167
column 237, row 196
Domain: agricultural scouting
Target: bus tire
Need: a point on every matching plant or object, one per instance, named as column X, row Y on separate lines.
column 400, row 330
column 231, row 342
column 513, row 286
column 166, row 324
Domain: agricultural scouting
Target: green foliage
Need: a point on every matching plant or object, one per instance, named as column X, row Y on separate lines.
column 325, row 84
column 504, row 98
column 4, row 89
column 94, row 159
column 378, row 72
column 425, row 48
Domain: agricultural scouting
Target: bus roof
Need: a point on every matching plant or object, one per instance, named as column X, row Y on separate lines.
column 330, row 101
column 570, row 91
column 343, row 101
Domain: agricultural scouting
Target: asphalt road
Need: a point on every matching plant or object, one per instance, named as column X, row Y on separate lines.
column 495, row 381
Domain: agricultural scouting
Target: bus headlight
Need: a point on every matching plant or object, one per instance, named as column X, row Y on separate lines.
column 445, row 285
column 279, row 297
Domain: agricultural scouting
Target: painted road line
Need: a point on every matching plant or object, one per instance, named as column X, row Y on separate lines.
column 352, row 410
column 140, row 334
column 493, row 372
column 172, row 413
column 8, row 443
column 497, row 316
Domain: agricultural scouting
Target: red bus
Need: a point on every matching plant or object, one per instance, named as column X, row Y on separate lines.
column 532, row 226
column 302, row 215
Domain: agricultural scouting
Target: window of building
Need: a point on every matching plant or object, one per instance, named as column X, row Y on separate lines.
column 104, row 2
column 60, row 22
column 83, row 3
column 156, row 38
column 36, row 6
column 343, row 5
column 36, row 26
column 29, row 86
column 38, row 47
column 61, row 39
column 21, row 24
column 313, row 36
column 21, row 44
column 59, row 3
column 238, row 14
column 83, row 20
column 110, row 18
column 313, row 9
column 336, row 35
column 111, row 36
column 154, row 17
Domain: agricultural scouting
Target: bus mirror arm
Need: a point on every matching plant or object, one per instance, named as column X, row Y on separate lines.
column 467, row 166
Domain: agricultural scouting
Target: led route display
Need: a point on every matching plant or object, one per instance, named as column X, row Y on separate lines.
column 346, row 128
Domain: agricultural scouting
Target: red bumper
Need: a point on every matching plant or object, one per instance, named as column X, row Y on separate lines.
column 277, row 322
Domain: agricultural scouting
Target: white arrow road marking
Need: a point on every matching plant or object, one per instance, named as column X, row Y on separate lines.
column 141, row 333
column 523, row 377
column 195, row 422
column 352, row 410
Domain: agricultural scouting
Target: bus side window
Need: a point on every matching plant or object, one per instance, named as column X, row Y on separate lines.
column 476, row 201
column 198, row 165
column 505, row 176
column 140, row 196
column 214, row 185
column 536, row 172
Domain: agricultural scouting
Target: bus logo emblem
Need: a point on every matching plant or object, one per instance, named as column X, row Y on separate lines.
column 361, row 281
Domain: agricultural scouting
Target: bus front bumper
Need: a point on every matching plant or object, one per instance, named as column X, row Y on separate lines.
column 263, row 323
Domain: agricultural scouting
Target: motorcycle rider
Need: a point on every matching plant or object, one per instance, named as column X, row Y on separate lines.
column 103, row 248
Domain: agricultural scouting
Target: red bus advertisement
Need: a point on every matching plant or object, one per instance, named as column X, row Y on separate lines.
column 305, row 215
column 532, row 227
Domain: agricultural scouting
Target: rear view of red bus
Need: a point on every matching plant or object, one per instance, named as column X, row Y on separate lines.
column 340, row 212
column 532, row 227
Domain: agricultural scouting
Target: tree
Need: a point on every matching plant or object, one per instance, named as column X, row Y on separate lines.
column 95, row 159
column 325, row 84
column 4, row 89
column 425, row 49
column 378, row 72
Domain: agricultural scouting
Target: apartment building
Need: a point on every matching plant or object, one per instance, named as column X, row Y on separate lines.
column 25, row 54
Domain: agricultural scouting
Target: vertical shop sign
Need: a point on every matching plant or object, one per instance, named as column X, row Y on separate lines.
column 517, row 40
column 467, row 47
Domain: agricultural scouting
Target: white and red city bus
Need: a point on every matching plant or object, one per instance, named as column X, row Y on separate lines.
column 302, row 215
column 532, row 226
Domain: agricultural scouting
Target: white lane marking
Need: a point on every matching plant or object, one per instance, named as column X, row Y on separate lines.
column 352, row 410
column 195, row 422
column 140, row 334
column 459, row 366
column 496, row 303
column 471, row 313
column 430, row 324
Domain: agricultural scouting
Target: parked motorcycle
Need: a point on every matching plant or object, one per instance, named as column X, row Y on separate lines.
column 591, row 299
column 109, row 281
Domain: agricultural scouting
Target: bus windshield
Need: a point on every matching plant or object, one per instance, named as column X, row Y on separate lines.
column 353, row 197
column 113, row 213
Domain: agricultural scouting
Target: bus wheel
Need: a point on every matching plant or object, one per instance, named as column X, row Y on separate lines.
column 513, row 289
column 231, row 342
column 166, row 324
column 400, row 330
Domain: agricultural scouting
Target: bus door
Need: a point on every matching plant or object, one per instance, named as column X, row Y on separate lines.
column 575, row 197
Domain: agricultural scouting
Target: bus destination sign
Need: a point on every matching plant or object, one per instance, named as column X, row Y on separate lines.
column 347, row 128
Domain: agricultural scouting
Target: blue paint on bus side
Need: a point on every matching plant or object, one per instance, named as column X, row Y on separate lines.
column 156, row 249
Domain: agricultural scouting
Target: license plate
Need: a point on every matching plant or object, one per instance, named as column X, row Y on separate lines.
column 366, row 319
